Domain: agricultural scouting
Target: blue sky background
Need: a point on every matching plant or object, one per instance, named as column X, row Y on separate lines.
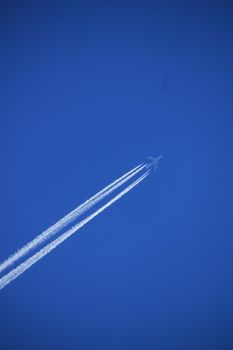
column 88, row 90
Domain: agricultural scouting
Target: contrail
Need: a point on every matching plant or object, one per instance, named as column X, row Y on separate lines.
column 73, row 215
column 13, row 274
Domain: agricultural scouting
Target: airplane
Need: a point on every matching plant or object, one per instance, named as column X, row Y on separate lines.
column 153, row 162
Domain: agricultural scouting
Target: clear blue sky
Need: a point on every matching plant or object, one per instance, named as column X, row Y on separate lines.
column 88, row 90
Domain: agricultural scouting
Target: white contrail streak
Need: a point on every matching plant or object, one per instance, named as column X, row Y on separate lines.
column 9, row 277
column 73, row 215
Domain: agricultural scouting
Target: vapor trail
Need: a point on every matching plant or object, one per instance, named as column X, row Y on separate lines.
column 16, row 272
column 73, row 215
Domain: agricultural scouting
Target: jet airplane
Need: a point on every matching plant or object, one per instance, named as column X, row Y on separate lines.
column 153, row 162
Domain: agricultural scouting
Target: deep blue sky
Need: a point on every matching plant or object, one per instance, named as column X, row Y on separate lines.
column 87, row 92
